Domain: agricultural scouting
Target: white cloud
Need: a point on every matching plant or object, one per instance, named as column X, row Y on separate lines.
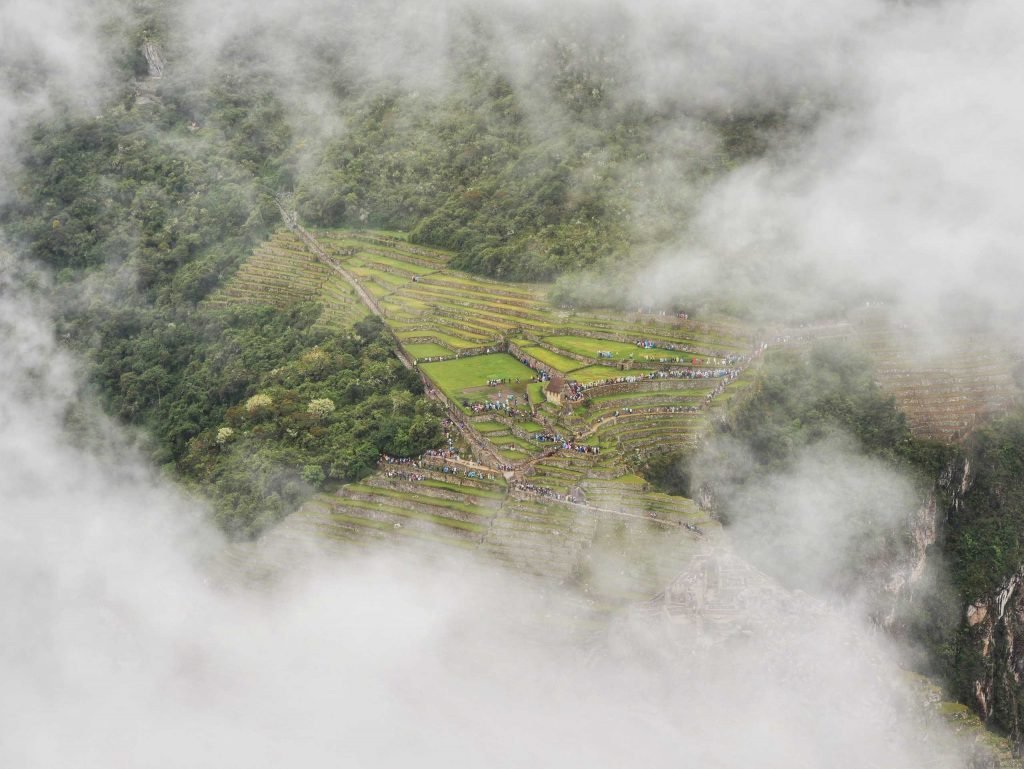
column 907, row 189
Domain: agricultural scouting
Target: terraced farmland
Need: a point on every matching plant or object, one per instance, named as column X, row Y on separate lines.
column 961, row 381
column 282, row 273
column 422, row 299
column 621, row 529
column 558, row 407
column 554, row 405
column 492, row 347
column 464, row 378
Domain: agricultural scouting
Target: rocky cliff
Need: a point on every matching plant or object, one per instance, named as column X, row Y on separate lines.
column 991, row 643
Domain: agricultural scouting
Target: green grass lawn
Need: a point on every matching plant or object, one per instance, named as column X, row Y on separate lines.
column 427, row 350
column 598, row 373
column 454, row 377
column 490, row 427
column 535, row 390
column 420, row 331
column 553, row 359
column 582, row 345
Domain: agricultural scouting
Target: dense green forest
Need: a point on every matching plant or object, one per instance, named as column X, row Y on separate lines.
column 524, row 181
column 141, row 212
column 471, row 172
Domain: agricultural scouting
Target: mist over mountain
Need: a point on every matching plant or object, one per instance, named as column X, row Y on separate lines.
column 116, row 648
column 231, row 235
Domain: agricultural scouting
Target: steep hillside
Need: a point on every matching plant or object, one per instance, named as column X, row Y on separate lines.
column 322, row 297
column 547, row 413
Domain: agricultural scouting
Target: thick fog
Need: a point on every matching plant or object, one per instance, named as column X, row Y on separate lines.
column 905, row 192
column 894, row 183
column 117, row 650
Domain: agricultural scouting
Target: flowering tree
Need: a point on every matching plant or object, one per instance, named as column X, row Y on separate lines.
column 321, row 407
column 258, row 401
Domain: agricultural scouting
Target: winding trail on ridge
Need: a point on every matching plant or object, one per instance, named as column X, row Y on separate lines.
column 475, row 440
column 485, row 453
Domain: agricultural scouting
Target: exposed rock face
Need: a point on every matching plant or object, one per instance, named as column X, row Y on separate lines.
column 992, row 642
column 905, row 575
column 153, row 58
column 995, row 629
column 705, row 498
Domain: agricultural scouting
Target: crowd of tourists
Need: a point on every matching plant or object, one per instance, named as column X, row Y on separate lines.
column 580, row 448
column 404, row 475
column 575, row 497
column 508, row 405
column 576, row 391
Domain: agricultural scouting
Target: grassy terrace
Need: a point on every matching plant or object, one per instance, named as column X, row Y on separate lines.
column 681, row 397
column 468, row 508
column 946, row 393
column 467, row 490
column 387, row 280
column 429, row 304
column 490, row 427
column 728, row 338
column 592, row 348
column 553, row 359
column 397, row 266
column 281, row 273
column 436, row 312
column 468, row 377
column 356, row 528
column 599, row 373
column 381, row 508
column 481, row 294
column 427, row 350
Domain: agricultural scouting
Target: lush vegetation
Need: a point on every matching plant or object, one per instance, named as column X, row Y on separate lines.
column 322, row 417
column 985, row 535
column 464, row 172
column 458, row 378
column 810, row 400
column 524, row 178
column 802, row 401
column 806, row 398
column 142, row 212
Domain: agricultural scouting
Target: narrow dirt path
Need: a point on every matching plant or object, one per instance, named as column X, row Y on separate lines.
column 475, row 440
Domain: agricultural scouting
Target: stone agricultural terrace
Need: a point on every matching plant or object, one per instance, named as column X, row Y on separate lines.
column 550, row 411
